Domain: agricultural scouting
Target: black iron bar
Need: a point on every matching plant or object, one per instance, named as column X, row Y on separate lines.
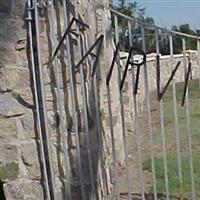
column 112, row 64
column 168, row 82
column 158, row 75
column 98, row 41
column 68, row 30
column 132, row 63
column 186, row 84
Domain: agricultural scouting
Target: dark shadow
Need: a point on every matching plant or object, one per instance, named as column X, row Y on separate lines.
column 2, row 194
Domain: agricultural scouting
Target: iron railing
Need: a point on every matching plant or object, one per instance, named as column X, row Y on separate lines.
column 92, row 162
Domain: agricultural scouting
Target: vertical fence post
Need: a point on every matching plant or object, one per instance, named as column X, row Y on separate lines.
column 122, row 112
column 114, row 160
column 198, row 57
column 149, row 117
column 74, row 99
column 136, row 127
column 175, row 115
column 41, row 142
column 60, row 108
column 43, row 106
column 164, row 148
column 188, row 123
column 85, row 111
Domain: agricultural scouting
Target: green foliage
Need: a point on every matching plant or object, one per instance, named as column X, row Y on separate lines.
column 190, row 43
column 132, row 10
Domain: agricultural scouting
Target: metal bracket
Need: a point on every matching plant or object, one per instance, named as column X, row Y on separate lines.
column 29, row 17
column 43, row 3
column 132, row 63
column 161, row 94
column 98, row 42
column 128, row 62
column 186, row 83
column 67, row 31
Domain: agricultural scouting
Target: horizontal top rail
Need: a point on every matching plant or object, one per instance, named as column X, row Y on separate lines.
column 144, row 24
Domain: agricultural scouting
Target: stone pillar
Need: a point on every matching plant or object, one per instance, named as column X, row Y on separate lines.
column 19, row 172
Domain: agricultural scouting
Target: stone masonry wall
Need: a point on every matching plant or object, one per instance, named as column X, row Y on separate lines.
column 20, row 166
column 19, row 172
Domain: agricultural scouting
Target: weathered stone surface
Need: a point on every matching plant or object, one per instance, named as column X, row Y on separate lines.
column 9, row 107
column 9, row 152
column 34, row 171
column 13, row 78
column 32, row 162
column 9, row 171
column 27, row 124
column 53, row 120
column 8, row 128
column 12, row 7
column 29, row 148
column 25, row 97
column 23, row 189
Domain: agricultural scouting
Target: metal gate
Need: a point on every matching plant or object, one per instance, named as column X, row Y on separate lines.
column 88, row 72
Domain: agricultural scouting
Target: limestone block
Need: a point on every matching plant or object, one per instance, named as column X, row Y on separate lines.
column 13, row 78
column 8, row 128
column 30, row 158
column 19, row 7
column 9, row 171
column 23, row 189
column 53, row 119
column 9, row 152
column 126, row 99
column 29, row 152
column 114, row 120
column 34, row 171
column 26, row 95
column 9, row 107
column 27, row 124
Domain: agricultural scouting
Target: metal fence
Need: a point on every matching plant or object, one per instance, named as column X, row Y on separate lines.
column 90, row 179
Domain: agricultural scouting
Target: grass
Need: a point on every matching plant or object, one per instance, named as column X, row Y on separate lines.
column 194, row 106
column 174, row 186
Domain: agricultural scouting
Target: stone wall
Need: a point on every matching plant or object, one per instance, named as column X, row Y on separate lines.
column 19, row 172
column 20, row 164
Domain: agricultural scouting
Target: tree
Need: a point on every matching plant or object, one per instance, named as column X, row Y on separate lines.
column 132, row 10
column 190, row 43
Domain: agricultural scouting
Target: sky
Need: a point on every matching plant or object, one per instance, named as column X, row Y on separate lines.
column 172, row 12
